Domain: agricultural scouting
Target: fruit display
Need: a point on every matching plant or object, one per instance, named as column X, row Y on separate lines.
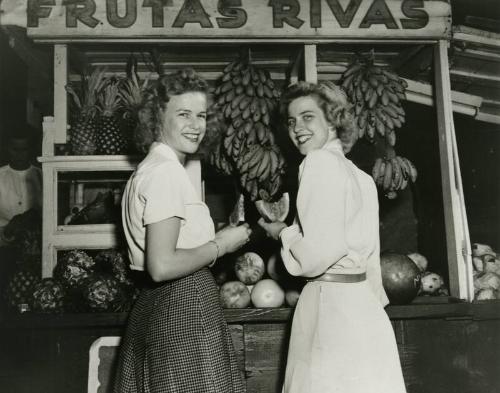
column 376, row 93
column 252, row 287
column 247, row 98
column 83, row 132
column 48, row 296
column 486, row 263
column 400, row 277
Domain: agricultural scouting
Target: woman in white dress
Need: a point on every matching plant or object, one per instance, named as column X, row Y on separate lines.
column 341, row 340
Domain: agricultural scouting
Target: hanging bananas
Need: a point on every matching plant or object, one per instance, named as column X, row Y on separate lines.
column 247, row 97
column 376, row 94
column 393, row 174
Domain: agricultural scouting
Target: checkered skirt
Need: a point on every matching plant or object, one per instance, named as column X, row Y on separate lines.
column 177, row 341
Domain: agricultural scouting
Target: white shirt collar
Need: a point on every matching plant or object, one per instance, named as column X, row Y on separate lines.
column 164, row 150
column 334, row 145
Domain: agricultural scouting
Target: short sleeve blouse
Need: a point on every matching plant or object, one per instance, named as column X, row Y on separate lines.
column 159, row 189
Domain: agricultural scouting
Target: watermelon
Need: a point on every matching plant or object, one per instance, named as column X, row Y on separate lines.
column 274, row 211
column 400, row 277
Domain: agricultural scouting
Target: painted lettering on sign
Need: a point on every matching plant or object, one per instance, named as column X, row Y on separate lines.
column 218, row 17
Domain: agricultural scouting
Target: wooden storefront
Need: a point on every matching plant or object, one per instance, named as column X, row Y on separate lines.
column 447, row 344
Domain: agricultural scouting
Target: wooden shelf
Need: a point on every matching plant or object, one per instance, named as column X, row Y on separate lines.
column 482, row 310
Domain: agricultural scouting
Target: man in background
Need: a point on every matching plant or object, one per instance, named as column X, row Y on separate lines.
column 20, row 182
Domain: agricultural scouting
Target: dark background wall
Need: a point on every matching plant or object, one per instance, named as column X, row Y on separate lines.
column 13, row 90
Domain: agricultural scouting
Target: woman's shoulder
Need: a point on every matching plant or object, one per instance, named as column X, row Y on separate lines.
column 325, row 161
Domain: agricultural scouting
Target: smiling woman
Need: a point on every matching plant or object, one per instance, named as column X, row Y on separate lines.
column 176, row 339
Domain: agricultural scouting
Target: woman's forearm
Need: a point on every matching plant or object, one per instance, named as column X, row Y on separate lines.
column 181, row 262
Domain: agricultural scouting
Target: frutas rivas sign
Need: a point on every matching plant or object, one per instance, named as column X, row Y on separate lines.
column 271, row 19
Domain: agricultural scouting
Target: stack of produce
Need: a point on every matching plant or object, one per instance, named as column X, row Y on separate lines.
column 376, row 93
column 252, row 288
column 486, row 272
column 247, row 98
column 97, row 284
column 104, row 114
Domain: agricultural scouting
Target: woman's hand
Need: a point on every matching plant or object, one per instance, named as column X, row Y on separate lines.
column 273, row 229
column 231, row 238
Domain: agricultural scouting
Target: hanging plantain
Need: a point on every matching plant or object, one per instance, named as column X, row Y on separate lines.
column 376, row 93
column 247, row 97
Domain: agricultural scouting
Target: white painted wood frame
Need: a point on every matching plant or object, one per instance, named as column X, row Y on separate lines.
column 457, row 233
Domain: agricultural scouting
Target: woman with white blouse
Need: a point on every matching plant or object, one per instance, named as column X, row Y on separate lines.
column 177, row 339
column 341, row 339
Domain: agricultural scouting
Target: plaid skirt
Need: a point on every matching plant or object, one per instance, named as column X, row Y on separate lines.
column 177, row 341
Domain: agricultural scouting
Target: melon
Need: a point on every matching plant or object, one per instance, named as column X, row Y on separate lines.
column 274, row 211
column 267, row 294
column 249, row 268
column 400, row 277
column 234, row 294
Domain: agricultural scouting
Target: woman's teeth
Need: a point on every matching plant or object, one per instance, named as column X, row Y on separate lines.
column 303, row 138
column 192, row 137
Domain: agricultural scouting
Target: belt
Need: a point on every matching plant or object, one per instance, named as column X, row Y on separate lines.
column 339, row 277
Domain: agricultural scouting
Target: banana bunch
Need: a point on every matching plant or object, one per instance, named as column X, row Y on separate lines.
column 247, row 98
column 218, row 160
column 393, row 174
column 376, row 93
column 261, row 169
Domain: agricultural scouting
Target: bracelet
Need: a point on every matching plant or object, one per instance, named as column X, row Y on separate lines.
column 217, row 254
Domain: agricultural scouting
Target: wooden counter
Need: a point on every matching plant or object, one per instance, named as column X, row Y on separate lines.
column 444, row 347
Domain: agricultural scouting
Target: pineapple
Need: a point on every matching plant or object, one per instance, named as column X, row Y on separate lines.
column 110, row 139
column 84, row 130
column 131, row 95
column 20, row 287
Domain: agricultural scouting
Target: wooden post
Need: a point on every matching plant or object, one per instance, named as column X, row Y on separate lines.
column 49, row 214
column 60, row 96
column 457, row 235
column 310, row 63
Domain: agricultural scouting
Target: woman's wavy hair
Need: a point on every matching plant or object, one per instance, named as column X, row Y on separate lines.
column 155, row 100
column 333, row 102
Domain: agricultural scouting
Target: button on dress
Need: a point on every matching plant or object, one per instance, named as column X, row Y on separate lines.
column 341, row 339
